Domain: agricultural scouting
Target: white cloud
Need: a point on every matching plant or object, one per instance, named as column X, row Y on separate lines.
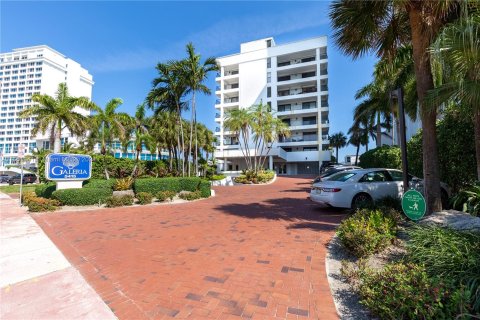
column 223, row 36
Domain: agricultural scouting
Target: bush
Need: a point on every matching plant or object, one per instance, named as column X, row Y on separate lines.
column 119, row 201
column 123, row 184
column 382, row 157
column 164, row 195
column 144, row 198
column 389, row 202
column 82, row 197
column 468, row 200
column 46, row 190
column 448, row 254
column 367, row 232
column 37, row 204
column 217, row 177
column 456, row 149
column 27, row 196
column 99, row 183
column 190, row 195
column 265, row 176
column 404, row 291
column 155, row 185
column 249, row 177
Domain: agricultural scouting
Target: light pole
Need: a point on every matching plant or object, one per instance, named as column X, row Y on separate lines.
column 398, row 94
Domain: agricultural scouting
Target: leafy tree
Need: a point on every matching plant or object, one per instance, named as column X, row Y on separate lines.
column 384, row 26
column 58, row 113
column 337, row 141
column 458, row 50
column 382, row 157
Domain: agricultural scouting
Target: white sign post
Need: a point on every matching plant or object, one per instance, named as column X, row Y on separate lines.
column 21, row 154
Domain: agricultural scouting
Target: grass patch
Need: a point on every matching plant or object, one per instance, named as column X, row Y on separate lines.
column 16, row 188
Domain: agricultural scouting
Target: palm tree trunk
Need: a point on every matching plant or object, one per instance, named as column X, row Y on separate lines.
column 423, row 75
column 57, row 143
column 196, row 143
column 477, row 140
column 191, row 132
column 182, row 146
column 336, row 157
column 379, row 131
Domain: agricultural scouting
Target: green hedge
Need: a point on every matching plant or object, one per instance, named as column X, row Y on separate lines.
column 45, row 190
column 382, row 157
column 154, row 185
column 99, row 183
column 81, row 197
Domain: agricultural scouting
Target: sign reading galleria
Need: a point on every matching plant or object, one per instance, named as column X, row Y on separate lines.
column 64, row 167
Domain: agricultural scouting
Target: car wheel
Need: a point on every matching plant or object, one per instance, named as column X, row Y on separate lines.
column 361, row 200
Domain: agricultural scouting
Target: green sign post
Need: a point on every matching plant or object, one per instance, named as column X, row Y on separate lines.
column 413, row 204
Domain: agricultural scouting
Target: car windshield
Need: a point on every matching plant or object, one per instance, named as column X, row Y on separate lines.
column 342, row 176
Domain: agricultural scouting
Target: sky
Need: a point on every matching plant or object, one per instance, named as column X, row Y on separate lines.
column 120, row 42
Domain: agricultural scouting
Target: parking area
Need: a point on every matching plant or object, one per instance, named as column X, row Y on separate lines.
column 250, row 252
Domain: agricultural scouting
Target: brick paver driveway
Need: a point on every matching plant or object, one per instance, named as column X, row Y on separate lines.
column 250, row 252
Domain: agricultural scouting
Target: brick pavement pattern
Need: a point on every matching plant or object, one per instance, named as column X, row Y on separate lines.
column 251, row 252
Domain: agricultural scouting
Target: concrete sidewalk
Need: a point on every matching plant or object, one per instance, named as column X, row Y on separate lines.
column 36, row 280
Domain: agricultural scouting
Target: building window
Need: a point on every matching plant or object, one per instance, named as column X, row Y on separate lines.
column 269, row 43
column 269, row 92
column 269, row 62
column 269, row 77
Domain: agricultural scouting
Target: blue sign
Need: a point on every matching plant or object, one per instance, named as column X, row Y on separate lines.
column 65, row 167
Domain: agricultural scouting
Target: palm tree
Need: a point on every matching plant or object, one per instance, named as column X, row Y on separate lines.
column 337, row 141
column 238, row 121
column 169, row 88
column 195, row 73
column 108, row 124
column 58, row 113
column 383, row 26
column 165, row 131
column 139, row 132
column 358, row 137
column 458, row 47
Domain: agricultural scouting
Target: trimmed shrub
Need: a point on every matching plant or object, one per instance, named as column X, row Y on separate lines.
column 119, row 201
column 190, row 195
column 82, row 197
column 367, row 232
column 144, row 197
column 165, row 195
column 404, row 291
column 382, row 157
column 27, row 196
column 155, row 185
column 265, row 176
column 37, row 204
column 123, row 184
column 217, row 177
column 99, row 183
column 45, row 190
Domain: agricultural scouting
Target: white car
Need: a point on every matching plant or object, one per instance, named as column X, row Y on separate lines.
column 349, row 189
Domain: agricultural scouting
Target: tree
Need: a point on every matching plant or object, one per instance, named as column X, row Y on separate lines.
column 458, row 50
column 383, row 26
column 195, row 74
column 358, row 137
column 108, row 124
column 169, row 89
column 257, row 125
column 337, row 141
column 58, row 113
column 139, row 132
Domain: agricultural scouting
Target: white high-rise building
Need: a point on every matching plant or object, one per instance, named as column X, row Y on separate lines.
column 24, row 72
column 293, row 79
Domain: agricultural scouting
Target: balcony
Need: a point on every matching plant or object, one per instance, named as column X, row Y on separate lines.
column 325, row 137
column 296, row 76
column 230, row 100
column 217, row 115
column 295, row 61
column 231, row 73
column 323, row 72
column 231, row 86
column 323, row 56
column 290, row 92
column 306, row 138
column 324, row 87
column 217, row 129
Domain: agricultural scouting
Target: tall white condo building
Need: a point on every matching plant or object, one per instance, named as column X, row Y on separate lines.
column 293, row 79
column 24, row 72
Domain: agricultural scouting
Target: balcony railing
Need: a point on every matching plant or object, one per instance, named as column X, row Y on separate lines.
column 304, row 106
column 325, row 137
column 291, row 92
column 217, row 129
column 217, row 101
column 323, row 72
column 217, row 115
column 231, row 72
column 230, row 143
column 323, row 56
column 296, row 61
column 231, row 100
column 324, row 104
column 296, row 76
column 231, row 86
column 324, row 87
column 308, row 122
column 298, row 139
column 325, row 122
